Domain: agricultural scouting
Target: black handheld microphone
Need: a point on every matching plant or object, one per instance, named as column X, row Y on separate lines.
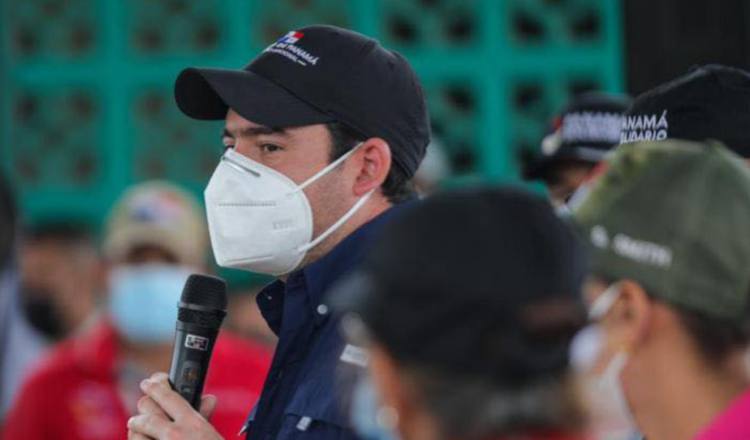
column 200, row 312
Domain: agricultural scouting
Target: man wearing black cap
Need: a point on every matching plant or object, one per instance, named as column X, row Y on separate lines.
column 323, row 132
column 581, row 136
column 708, row 102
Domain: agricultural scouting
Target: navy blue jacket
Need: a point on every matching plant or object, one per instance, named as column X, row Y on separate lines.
column 303, row 396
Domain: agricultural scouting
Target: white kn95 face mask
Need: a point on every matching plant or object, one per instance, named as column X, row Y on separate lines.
column 259, row 219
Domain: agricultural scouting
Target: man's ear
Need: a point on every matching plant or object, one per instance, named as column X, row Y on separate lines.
column 635, row 311
column 373, row 165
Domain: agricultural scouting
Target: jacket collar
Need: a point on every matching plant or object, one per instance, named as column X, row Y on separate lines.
column 317, row 277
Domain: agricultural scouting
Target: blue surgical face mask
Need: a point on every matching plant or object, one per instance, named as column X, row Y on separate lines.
column 367, row 413
column 143, row 301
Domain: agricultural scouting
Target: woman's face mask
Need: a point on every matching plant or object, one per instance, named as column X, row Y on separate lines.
column 589, row 346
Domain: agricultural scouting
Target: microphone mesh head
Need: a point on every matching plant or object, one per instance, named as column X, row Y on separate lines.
column 205, row 291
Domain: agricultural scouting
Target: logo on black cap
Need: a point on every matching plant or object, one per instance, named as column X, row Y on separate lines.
column 285, row 46
column 645, row 127
column 291, row 37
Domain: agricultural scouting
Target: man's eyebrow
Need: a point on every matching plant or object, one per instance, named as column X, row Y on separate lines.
column 256, row 131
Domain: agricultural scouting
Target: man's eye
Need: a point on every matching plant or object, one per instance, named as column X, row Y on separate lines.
column 270, row 148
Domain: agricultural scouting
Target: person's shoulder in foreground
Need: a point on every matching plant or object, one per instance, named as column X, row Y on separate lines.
column 732, row 423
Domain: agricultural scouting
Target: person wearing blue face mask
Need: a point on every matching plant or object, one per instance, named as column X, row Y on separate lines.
column 151, row 256
column 154, row 239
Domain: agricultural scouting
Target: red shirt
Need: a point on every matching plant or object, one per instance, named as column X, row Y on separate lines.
column 74, row 394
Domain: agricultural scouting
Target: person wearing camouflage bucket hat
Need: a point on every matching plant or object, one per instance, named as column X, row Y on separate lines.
column 669, row 293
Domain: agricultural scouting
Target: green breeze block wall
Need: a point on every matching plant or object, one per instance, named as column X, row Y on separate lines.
column 87, row 102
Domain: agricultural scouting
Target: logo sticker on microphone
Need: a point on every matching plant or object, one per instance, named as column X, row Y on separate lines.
column 196, row 342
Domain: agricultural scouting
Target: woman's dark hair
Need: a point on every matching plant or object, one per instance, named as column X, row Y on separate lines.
column 397, row 186
column 715, row 338
column 475, row 409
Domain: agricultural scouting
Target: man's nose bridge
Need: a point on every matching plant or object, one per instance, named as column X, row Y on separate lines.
column 239, row 166
column 245, row 148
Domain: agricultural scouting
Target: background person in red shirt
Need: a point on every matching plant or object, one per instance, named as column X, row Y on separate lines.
column 88, row 387
column 53, row 295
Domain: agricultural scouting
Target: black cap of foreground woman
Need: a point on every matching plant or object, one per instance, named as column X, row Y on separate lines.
column 480, row 283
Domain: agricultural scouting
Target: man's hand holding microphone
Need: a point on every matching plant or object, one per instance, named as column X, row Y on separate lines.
column 165, row 415
column 173, row 406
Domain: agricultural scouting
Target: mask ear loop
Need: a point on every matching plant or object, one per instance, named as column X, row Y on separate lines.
column 338, row 223
column 345, row 217
column 601, row 307
column 328, row 167
column 591, row 334
column 604, row 303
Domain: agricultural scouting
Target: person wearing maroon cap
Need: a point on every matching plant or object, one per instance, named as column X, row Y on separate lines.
column 323, row 132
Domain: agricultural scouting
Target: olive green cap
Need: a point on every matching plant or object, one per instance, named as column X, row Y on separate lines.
column 674, row 216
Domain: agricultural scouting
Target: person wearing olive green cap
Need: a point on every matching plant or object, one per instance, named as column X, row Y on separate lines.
column 667, row 227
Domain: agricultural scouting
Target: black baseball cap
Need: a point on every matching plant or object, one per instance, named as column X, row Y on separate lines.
column 708, row 102
column 585, row 131
column 480, row 282
column 319, row 74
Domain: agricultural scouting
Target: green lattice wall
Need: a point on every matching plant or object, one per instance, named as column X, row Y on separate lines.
column 87, row 106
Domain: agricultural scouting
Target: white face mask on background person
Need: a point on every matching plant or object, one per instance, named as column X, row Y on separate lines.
column 261, row 221
column 609, row 382
column 610, row 385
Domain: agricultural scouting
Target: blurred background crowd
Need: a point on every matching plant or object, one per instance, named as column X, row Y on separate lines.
column 101, row 177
